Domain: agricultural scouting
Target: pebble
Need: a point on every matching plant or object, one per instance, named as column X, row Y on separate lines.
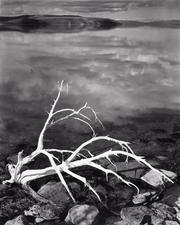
column 82, row 214
column 19, row 220
column 170, row 222
column 42, row 212
column 144, row 197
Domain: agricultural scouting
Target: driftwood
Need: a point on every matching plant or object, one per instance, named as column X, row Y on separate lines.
column 80, row 157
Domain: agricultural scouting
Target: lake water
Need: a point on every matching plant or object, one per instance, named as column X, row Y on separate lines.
column 122, row 72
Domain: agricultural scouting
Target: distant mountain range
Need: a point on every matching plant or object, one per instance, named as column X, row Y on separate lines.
column 73, row 24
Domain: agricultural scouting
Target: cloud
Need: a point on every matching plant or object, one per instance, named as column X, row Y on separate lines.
column 79, row 6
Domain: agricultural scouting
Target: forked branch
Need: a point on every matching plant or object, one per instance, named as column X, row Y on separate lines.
column 76, row 158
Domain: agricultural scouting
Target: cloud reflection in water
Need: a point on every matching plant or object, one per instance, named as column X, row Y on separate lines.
column 118, row 72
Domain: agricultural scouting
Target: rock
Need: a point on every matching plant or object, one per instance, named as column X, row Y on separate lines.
column 13, row 201
column 170, row 222
column 178, row 214
column 115, row 221
column 42, row 212
column 163, row 211
column 120, row 196
column 172, row 196
column 19, row 220
column 157, row 214
column 134, row 215
column 122, row 222
column 74, row 186
column 104, row 162
column 162, row 158
column 132, row 169
column 169, row 174
column 82, row 214
column 101, row 190
column 112, row 220
column 155, row 179
column 55, row 192
column 3, row 187
column 146, row 197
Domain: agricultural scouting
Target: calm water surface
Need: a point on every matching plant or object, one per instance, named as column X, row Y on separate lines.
column 119, row 72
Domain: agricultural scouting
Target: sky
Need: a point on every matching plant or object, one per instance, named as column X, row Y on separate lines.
column 91, row 7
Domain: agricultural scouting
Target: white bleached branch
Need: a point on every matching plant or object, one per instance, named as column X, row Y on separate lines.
column 76, row 158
